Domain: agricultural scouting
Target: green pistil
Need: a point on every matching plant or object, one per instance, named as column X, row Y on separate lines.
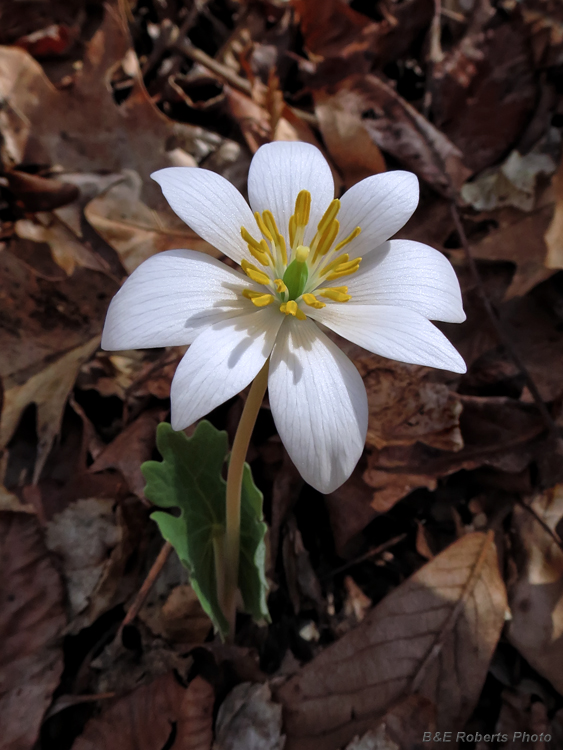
column 295, row 278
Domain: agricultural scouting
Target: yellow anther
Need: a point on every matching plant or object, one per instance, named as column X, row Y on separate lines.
column 345, row 269
column 263, row 228
column 302, row 253
column 255, row 273
column 280, row 286
column 335, row 293
column 257, row 298
column 258, row 250
column 291, row 308
column 351, row 236
column 312, row 301
column 327, row 238
column 302, row 208
column 329, row 215
column 335, row 263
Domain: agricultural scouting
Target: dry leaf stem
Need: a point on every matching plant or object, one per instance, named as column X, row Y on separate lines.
column 550, row 532
column 148, row 583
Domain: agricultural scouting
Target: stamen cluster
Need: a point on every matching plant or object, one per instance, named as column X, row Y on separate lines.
column 299, row 277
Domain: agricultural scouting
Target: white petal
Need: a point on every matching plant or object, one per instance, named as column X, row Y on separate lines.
column 380, row 205
column 222, row 361
column 169, row 298
column 393, row 332
column 319, row 404
column 404, row 273
column 210, row 205
column 279, row 171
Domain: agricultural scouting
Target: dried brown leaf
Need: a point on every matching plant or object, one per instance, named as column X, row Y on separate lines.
column 48, row 390
column 484, row 91
column 141, row 720
column 133, row 229
column 536, row 599
column 40, row 193
column 402, row 728
column 196, row 718
column 67, row 249
column 398, row 128
column 434, row 635
column 355, row 154
column 133, row 446
column 31, row 625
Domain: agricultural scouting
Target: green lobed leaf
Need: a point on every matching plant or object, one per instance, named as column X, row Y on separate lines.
column 189, row 478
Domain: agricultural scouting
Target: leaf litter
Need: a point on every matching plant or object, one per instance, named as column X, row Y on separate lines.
column 394, row 613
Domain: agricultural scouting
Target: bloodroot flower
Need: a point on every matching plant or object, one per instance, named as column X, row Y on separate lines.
column 305, row 259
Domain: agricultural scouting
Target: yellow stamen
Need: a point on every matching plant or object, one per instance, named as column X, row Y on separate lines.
column 303, row 208
column 263, row 228
column 335, row 293
column 255, row 273
column 351, row 236
column 258, row 250
column 292, row 230
column 277, row 238
column 329, row 215
column 327, row 238
column 345, row 269
column 312, row 301
column 336, row 262
column 257, row 298
column 291, row 308
column 302, row 253
column 280, row 286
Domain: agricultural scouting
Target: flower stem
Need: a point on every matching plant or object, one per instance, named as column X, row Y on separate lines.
column 234, row 486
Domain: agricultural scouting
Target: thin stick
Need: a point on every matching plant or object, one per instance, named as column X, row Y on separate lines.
column 234, row 486
column 148, row 583
column 370, row 553
column 501, row 334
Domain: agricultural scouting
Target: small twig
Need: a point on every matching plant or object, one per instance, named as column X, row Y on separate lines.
column 233, row 79
column 541, row 522
column 148, row 583
column 370, row 553
column 501, row 334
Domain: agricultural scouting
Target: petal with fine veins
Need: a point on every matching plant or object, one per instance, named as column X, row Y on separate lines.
column 210, row 205
column 319, row 404
column 380, row 205
column 279, row 171
column 169, row 298
column 222, row 361
column 409, row 274
column 393, row 332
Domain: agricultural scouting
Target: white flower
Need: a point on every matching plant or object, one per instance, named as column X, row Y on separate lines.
column 305, row 259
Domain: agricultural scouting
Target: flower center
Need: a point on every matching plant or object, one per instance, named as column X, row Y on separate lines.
column 300, row 275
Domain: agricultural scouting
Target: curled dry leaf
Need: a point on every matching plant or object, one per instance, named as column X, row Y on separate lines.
column 249, row 719
column 40, row 193
column 90, row 538
column 31, row 624
column 67, row 249
column 433, row 635
column 145, row 718
column 134, row 230
column 536, row 598
column 48, row 390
